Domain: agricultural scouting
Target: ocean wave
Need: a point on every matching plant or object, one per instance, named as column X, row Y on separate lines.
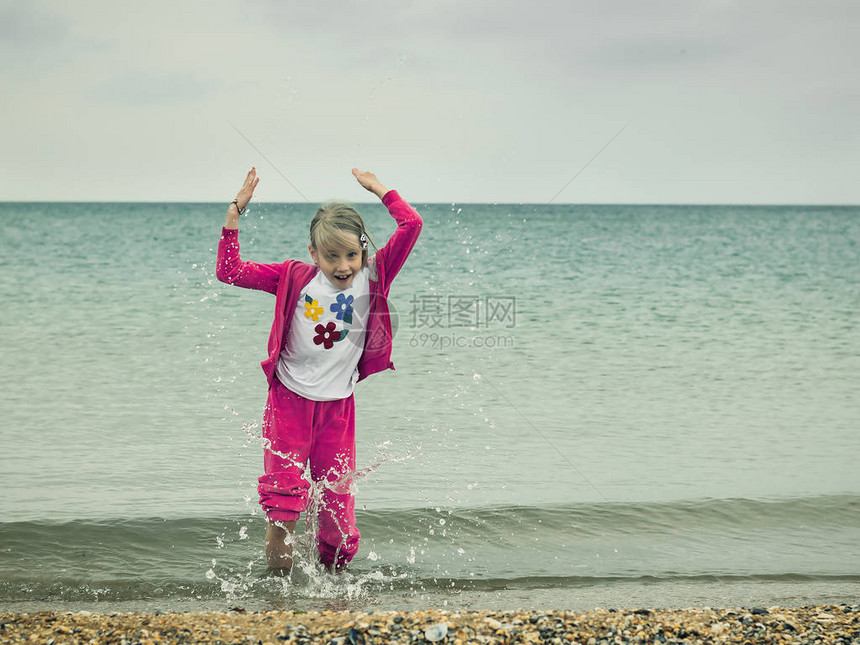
column 586, row 518
column 432, row 549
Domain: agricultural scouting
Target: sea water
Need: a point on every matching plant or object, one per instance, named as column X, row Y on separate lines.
column 593, row 405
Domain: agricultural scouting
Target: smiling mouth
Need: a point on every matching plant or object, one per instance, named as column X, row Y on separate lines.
column 343, row 277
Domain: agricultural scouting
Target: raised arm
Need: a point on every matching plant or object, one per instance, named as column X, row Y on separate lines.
column 230, row 267
column 409, row 223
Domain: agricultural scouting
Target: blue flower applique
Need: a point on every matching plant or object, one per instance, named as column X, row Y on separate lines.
column 343, row 308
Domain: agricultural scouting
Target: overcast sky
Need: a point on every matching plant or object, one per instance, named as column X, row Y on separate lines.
column 503, row 101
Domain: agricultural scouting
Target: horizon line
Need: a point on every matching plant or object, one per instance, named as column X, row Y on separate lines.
column 435, row 203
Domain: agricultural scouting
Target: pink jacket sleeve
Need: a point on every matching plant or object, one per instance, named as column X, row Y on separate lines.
column 401, row 242
column 250, row 275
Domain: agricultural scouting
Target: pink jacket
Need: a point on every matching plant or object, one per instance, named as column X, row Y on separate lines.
column 287, row 279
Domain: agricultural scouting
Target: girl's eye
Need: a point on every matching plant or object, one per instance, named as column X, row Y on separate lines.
column 353, row 254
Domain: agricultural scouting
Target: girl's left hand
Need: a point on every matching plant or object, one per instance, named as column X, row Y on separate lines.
column 369, row 182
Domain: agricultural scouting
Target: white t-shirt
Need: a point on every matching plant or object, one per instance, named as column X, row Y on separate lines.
column 319, row 361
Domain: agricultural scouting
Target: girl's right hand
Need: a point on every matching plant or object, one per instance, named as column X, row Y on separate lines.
column 246, row 192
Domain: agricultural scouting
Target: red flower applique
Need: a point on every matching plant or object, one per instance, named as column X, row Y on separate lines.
column 327, row 336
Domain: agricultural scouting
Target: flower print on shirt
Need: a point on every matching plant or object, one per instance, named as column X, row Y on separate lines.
column 343, row 308
column 327, row 336
column 313, row 309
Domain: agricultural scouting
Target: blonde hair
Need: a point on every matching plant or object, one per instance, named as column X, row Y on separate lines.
column 334, row 224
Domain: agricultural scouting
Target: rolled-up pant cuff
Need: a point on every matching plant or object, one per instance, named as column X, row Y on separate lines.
column 282, row 516
column 337, row 556
column 283, row 495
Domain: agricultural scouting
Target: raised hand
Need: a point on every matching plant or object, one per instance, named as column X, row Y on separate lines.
column 246, row 192
column 369, row 182
column 243, row 197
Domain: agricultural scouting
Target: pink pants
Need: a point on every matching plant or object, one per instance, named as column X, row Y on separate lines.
column 299, row 430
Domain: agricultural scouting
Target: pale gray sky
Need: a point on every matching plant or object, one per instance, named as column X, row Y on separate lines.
column 504, row 101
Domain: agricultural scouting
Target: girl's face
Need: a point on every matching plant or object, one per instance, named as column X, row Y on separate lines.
column 339, row 264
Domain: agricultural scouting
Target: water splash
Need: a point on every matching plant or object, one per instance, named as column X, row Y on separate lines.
column 308, row 579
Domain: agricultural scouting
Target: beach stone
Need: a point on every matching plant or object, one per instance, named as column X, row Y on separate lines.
column 436, row 632
column 493, row 623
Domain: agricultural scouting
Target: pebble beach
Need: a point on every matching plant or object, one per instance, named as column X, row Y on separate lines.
column 819, row 624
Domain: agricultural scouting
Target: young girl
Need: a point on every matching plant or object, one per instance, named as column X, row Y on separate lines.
column 331, row 329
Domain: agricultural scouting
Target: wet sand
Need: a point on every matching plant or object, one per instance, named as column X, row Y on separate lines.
column 821, row 624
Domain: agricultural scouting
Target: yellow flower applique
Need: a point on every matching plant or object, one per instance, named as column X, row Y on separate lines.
column 313, row 309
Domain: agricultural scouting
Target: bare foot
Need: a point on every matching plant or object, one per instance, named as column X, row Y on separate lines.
column 279, row 547
column 333, row 568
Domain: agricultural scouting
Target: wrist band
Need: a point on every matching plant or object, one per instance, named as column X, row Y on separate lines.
column 241, row 210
